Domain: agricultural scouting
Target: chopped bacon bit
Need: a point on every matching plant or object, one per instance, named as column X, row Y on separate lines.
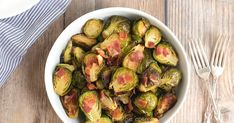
column 114, row 48
column 136, row 56
column 101, row 52
column 124, row 79
column 60, row 72
column 88, row 103
column 142, row 102
column 87, row 70
column 116, row 113
column 165, row 52
column 91, row 86
column 151, row 44
column 70, row 102
column 91, row 61
column 121, row 80
column 129, row 107
column 128, row 77
column 153, row 77
column 102, row 95
column 158, row 51
column 123, row 35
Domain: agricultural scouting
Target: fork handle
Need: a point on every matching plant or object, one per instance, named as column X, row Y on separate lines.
column 217, row 115
column 208, row 112
column 213, row 102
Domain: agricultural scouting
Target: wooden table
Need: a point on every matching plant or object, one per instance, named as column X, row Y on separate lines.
column 23, row 98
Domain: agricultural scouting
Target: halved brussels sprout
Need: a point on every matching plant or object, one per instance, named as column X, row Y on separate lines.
column 170, row 79
column 67, row 53
column 148, row 59
column 93, row 27
column 103, row 119
column 92, row 66
column 79, row 55
column 62, row 79
column 113, row 44
column 118, row 114
column 165, row 54
column 90, row 105
column 152, row 37
column 134, row 58
column 146, row 120
column 116, row 24
column 139, row 29
column 67, row 66
column 70, row 103
column 150, row 79
column 78, row 79
column 164, row 104
column 123, row 80
column 106, row 75
column 83, row 41
column 146, row 103
column 107, row 102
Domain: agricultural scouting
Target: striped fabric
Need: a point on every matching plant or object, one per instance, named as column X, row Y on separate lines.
column 18, row 33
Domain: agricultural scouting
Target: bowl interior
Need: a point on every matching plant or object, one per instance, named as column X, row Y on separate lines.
column 75, row 27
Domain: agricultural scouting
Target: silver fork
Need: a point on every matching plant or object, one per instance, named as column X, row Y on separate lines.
column 218, row 62
column 203, row 70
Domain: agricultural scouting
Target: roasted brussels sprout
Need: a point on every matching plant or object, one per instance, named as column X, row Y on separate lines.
column 103, row 119
column 116, row 24
column 113, row 44
column 146, row 103
column 118, row 114
column 123, row 80
column 152, row 37
column 79, row 55
column 90, row 105
column 170, row 79
column 146, row 120
column 83, row 41
column 67, row 66
column 106, row 75
column 150, row 79
column 62, row 79
column 139, row 29
column 165, row 54
column 92, row 66
column 93, row 28
column 67, row 53
column 70, row 103
column 164, row 104
column 148, row 59
column 78, row 79
column 134, row 58
column 107, row 101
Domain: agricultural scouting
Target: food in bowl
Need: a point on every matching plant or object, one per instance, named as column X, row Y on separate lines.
column 120, row 70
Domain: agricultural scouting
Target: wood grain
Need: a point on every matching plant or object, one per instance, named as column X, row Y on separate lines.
column 205, row 20
column 23, row 98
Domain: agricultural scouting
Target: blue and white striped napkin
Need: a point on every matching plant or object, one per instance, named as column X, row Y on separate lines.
column 18, row 33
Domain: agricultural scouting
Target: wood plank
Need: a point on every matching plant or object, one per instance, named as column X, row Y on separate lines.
column 153, row 7
column 204, row 19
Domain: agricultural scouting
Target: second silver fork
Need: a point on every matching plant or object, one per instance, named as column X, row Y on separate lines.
column 203, row 70
column 217, row 67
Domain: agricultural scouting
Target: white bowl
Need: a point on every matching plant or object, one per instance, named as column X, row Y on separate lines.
column 75, row 27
